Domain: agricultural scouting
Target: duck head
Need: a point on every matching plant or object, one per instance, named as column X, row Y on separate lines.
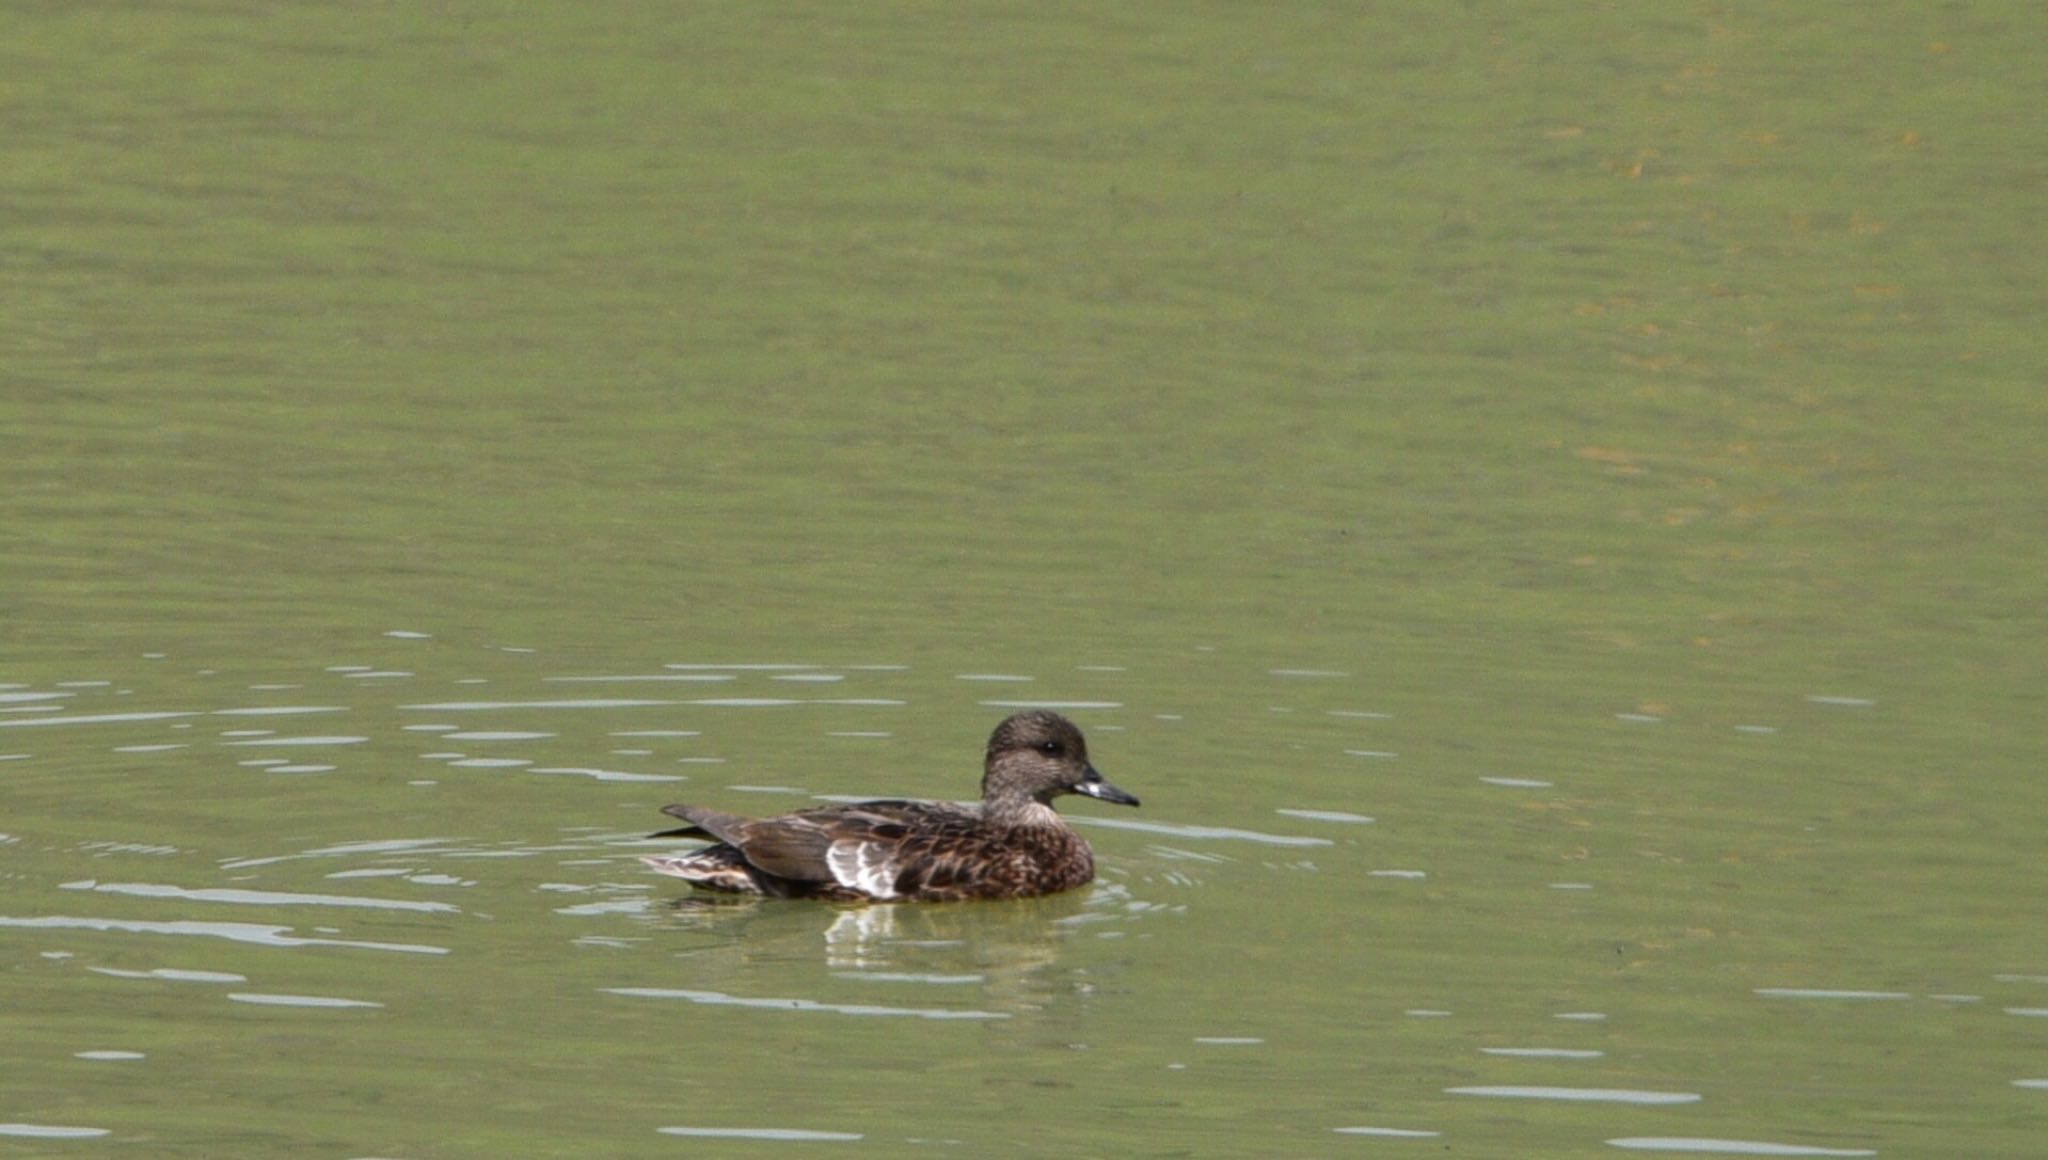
column 1037, row 755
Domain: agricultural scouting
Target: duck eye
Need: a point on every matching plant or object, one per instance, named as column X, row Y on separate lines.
column 1049, row 748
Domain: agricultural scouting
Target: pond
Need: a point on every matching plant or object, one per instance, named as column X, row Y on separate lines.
column 1542, row 506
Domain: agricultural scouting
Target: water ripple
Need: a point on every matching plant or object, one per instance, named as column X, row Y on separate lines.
column 242, row 932
column 1594, row 1095
column 92, row 719
column 251, row 897
column 345, row 849
column 1327, row 816
column 297, row 1000
column 172, row 974
column 1217, row 832
column 1819, row 993
column 627, row 677
column 755, row 668
column 719, row 998
column 909, row 977
column 330, row 740
column 1729, row 1147
column 608, row 774
column 619, row 906
column 50, row 1131
column 789, row 1134
column 577, row 703
column 1054, row 704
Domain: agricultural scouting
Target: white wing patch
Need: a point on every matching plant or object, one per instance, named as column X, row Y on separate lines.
column 863, row 866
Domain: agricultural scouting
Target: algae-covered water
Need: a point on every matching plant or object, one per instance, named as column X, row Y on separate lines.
column 1544, row 504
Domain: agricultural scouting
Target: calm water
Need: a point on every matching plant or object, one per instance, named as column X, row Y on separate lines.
column 1545, row 509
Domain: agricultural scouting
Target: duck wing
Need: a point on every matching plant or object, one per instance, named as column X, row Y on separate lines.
column 885, row 849
column 789, row 846
column 705, row 822
column 865, row 848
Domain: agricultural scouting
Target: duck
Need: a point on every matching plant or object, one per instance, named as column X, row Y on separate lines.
column 1011, row 844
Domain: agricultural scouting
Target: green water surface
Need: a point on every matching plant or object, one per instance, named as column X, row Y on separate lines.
column 1543, row 502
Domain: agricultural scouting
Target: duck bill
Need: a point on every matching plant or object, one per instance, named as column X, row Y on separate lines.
column 1093, row 785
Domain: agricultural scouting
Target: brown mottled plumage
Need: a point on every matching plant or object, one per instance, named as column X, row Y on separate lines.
column 1012, row 845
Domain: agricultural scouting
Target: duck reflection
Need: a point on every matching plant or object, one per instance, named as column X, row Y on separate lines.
column 986, row 960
